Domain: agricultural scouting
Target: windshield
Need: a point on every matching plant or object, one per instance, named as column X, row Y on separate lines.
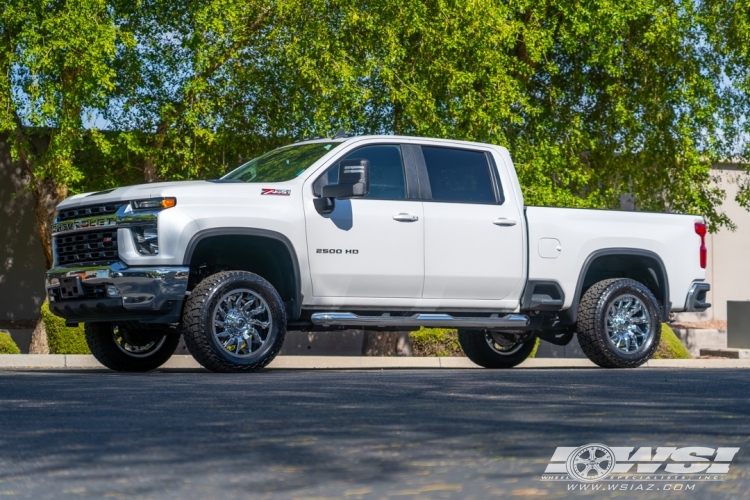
column 279, row 165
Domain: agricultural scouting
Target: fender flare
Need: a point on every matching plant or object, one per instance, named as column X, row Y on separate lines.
column 570, row 315
column 265, row 233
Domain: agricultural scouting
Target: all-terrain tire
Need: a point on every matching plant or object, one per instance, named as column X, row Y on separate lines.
column 592, row 329
column 476, row 346
column 198, row 322
column 102, row 339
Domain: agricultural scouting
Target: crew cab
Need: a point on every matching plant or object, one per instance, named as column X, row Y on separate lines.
column 376, row 232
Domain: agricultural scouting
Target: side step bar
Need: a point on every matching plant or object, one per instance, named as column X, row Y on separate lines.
column 519, row 321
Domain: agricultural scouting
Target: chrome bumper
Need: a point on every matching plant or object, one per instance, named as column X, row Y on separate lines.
column 116, row 292
column 696, row 298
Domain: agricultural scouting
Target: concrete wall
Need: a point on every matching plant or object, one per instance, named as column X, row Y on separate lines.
column 21, row 256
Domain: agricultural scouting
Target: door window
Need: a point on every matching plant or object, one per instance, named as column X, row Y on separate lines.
column 459, row 175
column 387, row 180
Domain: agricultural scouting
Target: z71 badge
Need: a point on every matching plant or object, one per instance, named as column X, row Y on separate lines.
column 277, row 192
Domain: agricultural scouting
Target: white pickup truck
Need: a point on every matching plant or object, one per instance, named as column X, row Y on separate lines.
column 374, row 232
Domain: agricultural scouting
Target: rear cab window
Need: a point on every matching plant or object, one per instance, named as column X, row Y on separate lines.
column 461, row 175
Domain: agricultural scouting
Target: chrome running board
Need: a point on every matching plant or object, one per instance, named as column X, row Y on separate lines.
column 519, row 321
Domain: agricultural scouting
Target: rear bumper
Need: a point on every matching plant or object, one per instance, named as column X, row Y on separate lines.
column 696, row 297
column 116, row 292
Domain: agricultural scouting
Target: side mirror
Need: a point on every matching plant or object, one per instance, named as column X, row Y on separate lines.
column 354, row 180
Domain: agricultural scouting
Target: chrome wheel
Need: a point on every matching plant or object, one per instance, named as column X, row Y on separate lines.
column 628, row 324
column 136, row 348
column 242, row 322
column 502, row 343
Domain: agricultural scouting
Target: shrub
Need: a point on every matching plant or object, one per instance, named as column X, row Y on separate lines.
column 7, row 346
column 436, row 342
column 442, row 342
column 536, row 348
column 62, row 339
column 670, row 347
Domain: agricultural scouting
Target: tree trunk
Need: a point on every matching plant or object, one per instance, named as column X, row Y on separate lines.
column 379, row 343
column 47, row 195
column 403, row 345
column 150, row 173
column 39, row 343
column 386, row 344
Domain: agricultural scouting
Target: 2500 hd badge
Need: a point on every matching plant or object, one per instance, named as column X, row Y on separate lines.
column 337, row 251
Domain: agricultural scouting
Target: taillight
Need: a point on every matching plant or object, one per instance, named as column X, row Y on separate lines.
column 700, row 230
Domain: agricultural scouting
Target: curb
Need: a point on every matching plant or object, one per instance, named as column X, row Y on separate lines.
column 82, row 361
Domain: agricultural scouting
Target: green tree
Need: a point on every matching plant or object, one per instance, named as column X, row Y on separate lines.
column 727, row 34
column 596, row 100
column 189, row 93
column 55, row 72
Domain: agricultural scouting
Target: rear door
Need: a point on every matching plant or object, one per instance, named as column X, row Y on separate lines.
column 473, row 233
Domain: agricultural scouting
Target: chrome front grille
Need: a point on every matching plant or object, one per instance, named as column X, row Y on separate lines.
column 85, row 247
column 88, row 211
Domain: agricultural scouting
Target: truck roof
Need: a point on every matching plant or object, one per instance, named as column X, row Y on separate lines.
column 356, row 138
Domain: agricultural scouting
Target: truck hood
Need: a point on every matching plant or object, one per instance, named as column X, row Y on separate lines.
column 186, row 189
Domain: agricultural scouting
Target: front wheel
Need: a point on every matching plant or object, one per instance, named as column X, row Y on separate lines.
column 495, row 349
column 618, row 323
column 234, row 321
column 126, row 349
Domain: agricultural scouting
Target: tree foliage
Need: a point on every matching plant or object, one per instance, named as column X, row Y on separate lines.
column 596, row 100
column 55, row 70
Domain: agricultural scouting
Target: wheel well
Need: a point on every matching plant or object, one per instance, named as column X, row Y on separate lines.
column 644, row 267
column 271, row 258
column 641, row 268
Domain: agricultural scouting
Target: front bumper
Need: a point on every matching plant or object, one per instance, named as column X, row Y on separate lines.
column 116, row 292
column 696, row 297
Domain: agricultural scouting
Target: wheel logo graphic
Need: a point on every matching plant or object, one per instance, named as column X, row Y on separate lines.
column 592, row 462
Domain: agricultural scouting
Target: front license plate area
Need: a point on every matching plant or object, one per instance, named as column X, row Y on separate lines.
column 71, row 287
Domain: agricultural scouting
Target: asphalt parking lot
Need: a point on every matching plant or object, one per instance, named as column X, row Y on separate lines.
column 352, row 434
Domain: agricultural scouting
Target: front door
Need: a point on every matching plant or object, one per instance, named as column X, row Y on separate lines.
column 371, row 246
column 473, row 235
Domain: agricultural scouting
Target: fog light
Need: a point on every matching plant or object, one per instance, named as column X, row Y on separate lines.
column 146, row 240
column 112, row 291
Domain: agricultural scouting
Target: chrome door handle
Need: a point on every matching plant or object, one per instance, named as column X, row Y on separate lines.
column 502, row 221
column 405, row 218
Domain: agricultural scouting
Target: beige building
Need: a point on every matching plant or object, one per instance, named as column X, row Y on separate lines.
column 728, row 267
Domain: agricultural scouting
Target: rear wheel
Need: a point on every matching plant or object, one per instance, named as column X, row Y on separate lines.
column 127, row 349
column 618, row 323
column 496, row 349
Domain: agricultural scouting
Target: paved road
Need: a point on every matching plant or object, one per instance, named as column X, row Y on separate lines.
column 356, row 434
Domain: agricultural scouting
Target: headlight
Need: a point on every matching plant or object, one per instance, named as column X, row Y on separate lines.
column 146, row 240
column 153, row 203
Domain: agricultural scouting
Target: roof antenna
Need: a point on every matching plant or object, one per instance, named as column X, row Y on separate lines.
column 340, row 134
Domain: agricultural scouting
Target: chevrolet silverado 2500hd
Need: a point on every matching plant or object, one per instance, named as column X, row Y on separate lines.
column 375, row 232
